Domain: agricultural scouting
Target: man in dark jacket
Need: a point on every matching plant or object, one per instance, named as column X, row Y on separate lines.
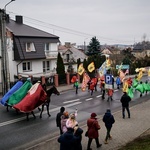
column 108, row 119
column 58, row 119
column 125, row 99
column 68, row 140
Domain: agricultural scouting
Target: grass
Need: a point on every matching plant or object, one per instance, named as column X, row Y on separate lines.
column 140, row 143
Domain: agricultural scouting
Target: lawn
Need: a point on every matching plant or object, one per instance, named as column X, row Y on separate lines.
column 140, row 143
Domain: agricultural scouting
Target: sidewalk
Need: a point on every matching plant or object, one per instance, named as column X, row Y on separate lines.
column 123, row 131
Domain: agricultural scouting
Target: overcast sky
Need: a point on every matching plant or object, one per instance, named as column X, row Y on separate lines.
column 76, row 21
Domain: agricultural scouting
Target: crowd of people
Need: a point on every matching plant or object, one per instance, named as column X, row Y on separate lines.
column 70, row 131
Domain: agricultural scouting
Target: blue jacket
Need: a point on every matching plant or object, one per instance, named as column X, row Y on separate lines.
column 108, row 119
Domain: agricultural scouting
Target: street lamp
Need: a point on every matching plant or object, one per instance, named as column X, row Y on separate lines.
column 8, row 4
column 4, row 59
column 85, row 44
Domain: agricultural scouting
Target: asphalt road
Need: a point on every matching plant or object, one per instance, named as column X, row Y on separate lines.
column 16, row 131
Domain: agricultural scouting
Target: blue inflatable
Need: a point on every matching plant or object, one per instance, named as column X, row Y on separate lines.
column 10, row 92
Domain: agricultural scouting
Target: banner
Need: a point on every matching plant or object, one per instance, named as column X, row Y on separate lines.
column 91, row 67
column 85, row 80
column 80, row 69
column 102, row 69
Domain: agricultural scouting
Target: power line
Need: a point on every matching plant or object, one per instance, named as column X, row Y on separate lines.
column 69, row 31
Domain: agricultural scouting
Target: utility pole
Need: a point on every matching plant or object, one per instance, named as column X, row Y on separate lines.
column 3, row 51
column 4, row 56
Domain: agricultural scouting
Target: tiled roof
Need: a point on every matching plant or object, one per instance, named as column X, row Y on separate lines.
column 25, row 30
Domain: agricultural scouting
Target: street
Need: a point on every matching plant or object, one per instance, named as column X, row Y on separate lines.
column 16, row 131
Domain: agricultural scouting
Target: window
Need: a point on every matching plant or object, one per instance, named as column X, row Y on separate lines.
column 30, row 47
column 68, row 57
column 46, row 66
column 47, row 46
column 26, row 66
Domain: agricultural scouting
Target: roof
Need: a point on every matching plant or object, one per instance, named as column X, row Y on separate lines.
column 19, row 29
column 75, row 52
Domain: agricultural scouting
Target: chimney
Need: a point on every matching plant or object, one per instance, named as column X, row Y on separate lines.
column 67, row 44
column 19, row 19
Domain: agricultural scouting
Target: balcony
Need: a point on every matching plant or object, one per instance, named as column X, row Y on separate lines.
column 51, row 54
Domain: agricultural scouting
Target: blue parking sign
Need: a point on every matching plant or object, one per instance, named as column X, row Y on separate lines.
column 108, row 79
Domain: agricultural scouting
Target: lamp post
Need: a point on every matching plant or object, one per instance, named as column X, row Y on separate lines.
column 85, row 44
column 4, row 60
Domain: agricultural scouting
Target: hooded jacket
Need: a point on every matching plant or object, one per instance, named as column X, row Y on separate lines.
column 108, row 119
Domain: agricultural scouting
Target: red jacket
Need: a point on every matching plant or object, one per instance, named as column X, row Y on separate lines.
column 93, row 127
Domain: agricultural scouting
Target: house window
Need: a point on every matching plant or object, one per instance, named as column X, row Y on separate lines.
column 26, row 66
column 47, row 46
column 30, row 47
column 46, row 66
column 68, row 57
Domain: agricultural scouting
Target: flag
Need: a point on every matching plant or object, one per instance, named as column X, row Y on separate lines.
column 108, row 63
column 91, row 67
column 149, row 72
column 125, row 86
column 85, row 80
column 80, row 69
column 102, row 69
column 121, row 75
column 139, row 76
column 120, row 67
column 73, row 79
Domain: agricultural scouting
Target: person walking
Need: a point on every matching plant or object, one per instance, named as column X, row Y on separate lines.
column 64, row 118
column 110, row 94
column 78, row 133
column 125, row 99
column 93, row 127
column 118, row 82
column 92, row 86
column 109, row 120
column 58, row 119
column 103, row 91
column 76, row 84
column 67, row 140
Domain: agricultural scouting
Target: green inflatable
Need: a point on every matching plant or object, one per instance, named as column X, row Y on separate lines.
column 135, row 83
column 130, row 92
column 19, row 94
column 140, row 88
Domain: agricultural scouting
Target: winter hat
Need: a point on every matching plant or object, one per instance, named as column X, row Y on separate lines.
column 93, row 115
column 108, row 110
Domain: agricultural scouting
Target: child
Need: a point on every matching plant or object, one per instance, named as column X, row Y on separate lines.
column 76, row 84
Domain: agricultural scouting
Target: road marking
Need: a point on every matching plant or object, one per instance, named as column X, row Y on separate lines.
column 44, row 112
column 71, row 101
column 99, row 96
column 89, row 99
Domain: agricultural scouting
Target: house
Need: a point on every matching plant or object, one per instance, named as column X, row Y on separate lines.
column 141, row 50
column 30, row 51
column 70, row 54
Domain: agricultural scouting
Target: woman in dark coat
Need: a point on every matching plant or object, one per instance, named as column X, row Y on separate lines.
column 108, row 119
column 93, row 127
